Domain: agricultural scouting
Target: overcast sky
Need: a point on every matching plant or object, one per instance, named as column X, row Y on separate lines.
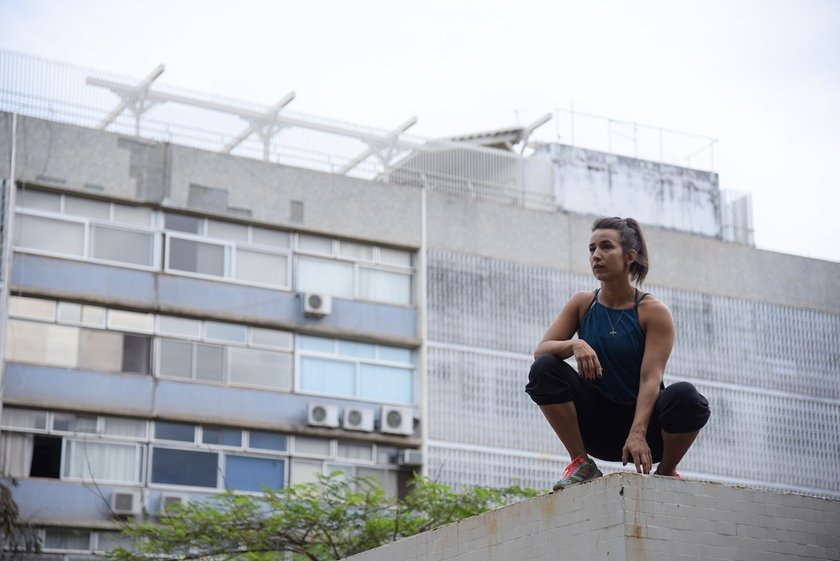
column 761, row 76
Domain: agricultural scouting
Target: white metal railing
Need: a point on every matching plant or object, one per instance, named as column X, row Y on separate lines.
column 635, row 140
column 56, row 91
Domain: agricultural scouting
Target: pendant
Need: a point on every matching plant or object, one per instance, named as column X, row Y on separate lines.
column 612, row 332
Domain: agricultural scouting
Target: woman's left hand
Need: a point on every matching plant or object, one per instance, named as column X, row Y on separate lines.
column 636, row 447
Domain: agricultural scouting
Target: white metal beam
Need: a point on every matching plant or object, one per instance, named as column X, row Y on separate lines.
column 260, row 123
column 131, row 96
column 383, row 143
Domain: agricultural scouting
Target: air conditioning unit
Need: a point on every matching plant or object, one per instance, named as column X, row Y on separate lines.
column 317, row 304
column 170, row 503
column 358, row 418
column 125, row 502
column 322, row 415
column 412, row 458
column 397, row 420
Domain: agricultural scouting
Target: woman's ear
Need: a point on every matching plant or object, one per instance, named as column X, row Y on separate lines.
column 631, row 256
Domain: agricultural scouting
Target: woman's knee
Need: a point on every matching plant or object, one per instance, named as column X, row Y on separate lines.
column 682, row 408
column 549, row 380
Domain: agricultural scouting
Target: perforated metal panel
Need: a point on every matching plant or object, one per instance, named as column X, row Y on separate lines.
column 770, row 373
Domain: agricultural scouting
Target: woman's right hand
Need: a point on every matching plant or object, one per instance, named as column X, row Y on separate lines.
column 588, row 364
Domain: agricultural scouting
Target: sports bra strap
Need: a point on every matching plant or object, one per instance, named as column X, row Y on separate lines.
column 636, row 305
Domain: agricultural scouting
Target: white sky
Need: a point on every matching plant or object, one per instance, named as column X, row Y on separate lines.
column 762, row 76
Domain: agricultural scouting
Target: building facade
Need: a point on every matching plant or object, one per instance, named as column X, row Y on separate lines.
column 178, row 321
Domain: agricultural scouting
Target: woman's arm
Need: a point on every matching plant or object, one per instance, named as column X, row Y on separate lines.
column 656, row 320
column 559, row 337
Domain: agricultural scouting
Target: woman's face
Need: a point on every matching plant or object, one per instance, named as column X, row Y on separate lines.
column 606, row 256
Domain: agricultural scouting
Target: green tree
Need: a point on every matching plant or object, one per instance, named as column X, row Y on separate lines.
column 331, row 519
column 16, row 536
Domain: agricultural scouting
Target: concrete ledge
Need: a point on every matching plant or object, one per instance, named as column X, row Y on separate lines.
column 628, row 517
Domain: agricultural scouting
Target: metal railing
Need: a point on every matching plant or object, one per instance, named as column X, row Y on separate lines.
column 42, row 88
column 635, row 140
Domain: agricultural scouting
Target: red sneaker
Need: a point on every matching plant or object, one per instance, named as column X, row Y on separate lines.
column 581, row 469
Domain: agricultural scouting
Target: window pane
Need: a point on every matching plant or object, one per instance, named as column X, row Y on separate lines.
column 315, row 244
column 394, row 256
column 227, row 231
column 387, row 383
column 252, row 474
column 356, row 250
column 182, row 223
column 267, row 440
column 312, row 446
column 351, row 348
column 260, row 368
column 69, row 312
column 120, row 426
column 318, row 344
column 115, row 244
column 355, row 451
column 168, row 430
column 100, row 350
column 24, row 418
column 197, row 257
column 219, row 435
column 173, row 325
column 384, row 286
column 209, row 363
column 32, row 308
column 136, row 353
column 256, row 266
column 42, row 343
column 273, row 238
column 40, row 200
column 134, row 215
column 106, row 541
column 36, row 232
column 330, row 277
column 271, row 338
column 184, row 467
column 97, row 461
column 396, row 354
column 327, row 376
column 226, row 331
column 131, row 321
column 386, row 477
column 87, row 208
column 67, row 538
column 93, row 316
column 305, row 472
column 175, row 359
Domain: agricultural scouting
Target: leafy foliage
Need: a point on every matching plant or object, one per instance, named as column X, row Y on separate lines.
column 16, row 537
column 331, row 519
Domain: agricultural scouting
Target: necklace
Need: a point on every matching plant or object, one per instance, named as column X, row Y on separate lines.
column 609, row 319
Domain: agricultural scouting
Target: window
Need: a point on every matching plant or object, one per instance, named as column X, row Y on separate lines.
column 167, row 430
column 24, row 418
column 102, row 462
column 46, row 457
column 184, row 467
column 267, row 440
column 119, row 244
column 385, row 286
column 256, row 367
column 262, row 267
column 136, row 353
column 246, row 473
column 223, row 436
column 34, row 308
column 322, row 275
column 66, row 539
column 49, row 234
column 360, row 370
column 304, row 471
column 197, row 257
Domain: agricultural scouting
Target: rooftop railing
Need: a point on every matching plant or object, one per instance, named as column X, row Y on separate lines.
column 42, row 88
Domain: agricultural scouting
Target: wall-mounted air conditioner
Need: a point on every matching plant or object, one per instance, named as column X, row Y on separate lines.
column 170, row 503
column 412, row 458
column 358, row 418
column 322, row 415
column 316, row 304
column 125, row 502
column 397, row 420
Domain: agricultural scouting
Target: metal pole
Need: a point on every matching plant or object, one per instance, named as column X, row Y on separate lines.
column 422, row 309
column 9, row 195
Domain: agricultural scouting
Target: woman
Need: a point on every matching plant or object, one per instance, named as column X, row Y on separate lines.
column 615, row 407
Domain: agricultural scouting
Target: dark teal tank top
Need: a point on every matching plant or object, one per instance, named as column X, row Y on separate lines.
column 618, row 340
